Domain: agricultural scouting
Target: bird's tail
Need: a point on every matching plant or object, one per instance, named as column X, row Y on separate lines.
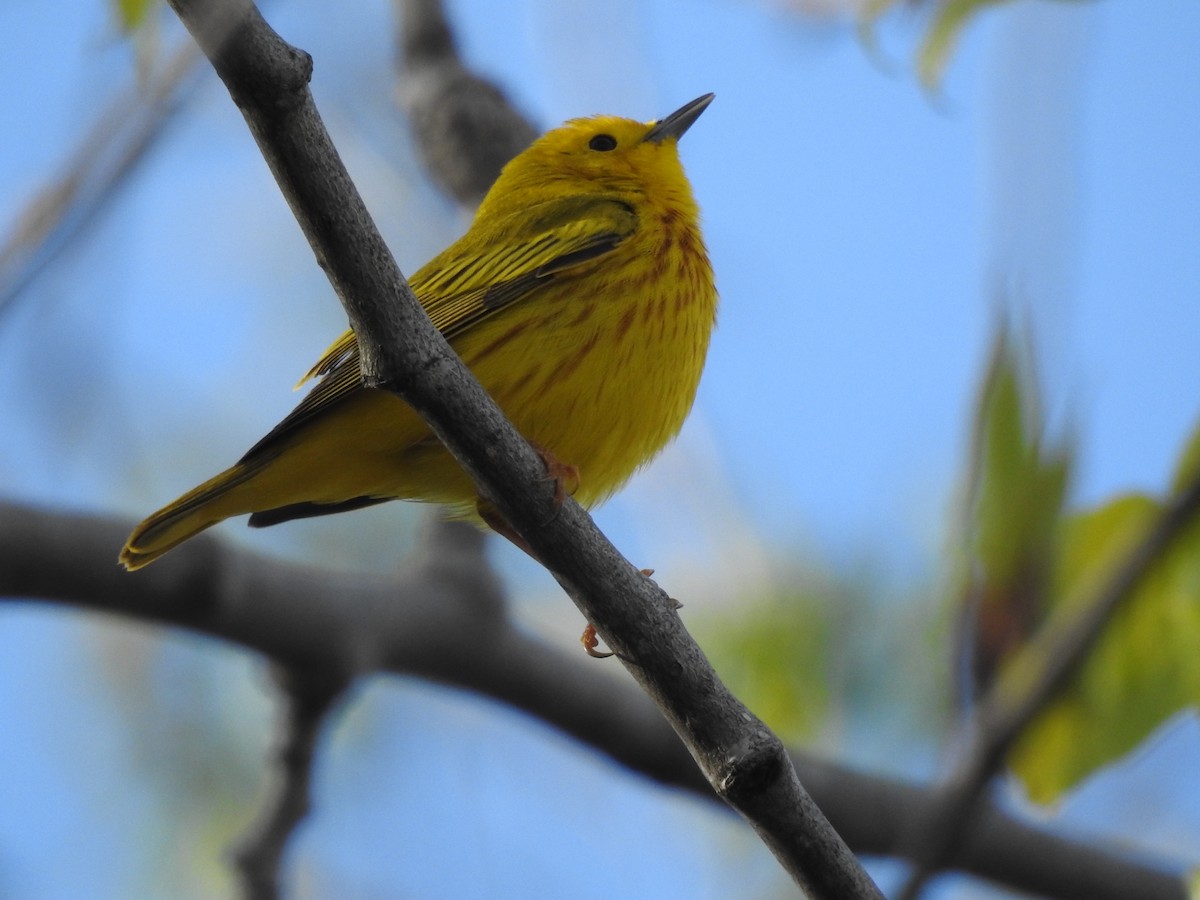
column 198, row 509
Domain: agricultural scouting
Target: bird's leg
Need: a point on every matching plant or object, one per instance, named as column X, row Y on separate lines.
column 564, row 475
column 566, row 481
column 591, row 641
column 494, row 519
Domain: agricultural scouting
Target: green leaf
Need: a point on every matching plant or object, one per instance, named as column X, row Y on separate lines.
column 773, row 655
column 1015, row 504
column 949, row 19
column 132, row 13
column 1146, row 666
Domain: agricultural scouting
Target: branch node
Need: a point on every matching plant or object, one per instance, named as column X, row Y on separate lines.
column 753, row 771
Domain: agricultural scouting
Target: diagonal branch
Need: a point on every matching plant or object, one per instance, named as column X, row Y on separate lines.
column 105, row 158
column 401, row 351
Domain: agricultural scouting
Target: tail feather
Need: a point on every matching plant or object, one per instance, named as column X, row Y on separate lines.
column 365, row 448
column 198, row 509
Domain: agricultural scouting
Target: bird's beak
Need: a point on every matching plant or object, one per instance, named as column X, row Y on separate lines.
column 674, row 125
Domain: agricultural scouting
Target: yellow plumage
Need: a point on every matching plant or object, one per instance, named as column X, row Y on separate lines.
column 581, row 298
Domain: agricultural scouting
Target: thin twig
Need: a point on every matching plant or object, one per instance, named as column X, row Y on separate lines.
column 122, row 136
column 307, row 700
column 1004, row 715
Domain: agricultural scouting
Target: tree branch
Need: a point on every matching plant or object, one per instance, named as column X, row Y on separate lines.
column 307, row 698
column 63, row 207
column 442, row 617
column 401, row 351
column 464, row 126
column 1003, row 715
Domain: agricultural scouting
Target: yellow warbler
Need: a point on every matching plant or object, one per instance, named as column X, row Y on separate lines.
column 581, row 297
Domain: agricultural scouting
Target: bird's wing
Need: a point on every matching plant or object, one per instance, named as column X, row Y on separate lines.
column 512, row 256
column 491, row 268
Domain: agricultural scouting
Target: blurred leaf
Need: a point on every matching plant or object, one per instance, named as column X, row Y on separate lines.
column 873, row 10
column 144, row 34
column 1145, row 667
column 772, row 655
column 131, row 14
column 1018, row 488
column 199, row 762
column 949, row 19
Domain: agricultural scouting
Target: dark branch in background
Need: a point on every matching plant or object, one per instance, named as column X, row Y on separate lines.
column 401, row 351
column 442, row 617
column 63, row 209
column 463, row 125
column 308, row 696
column 1002, row 717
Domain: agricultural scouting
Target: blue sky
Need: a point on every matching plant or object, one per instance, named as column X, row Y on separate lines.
column 864, row 233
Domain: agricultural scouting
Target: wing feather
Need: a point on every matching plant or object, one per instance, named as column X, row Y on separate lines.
column 493, row 267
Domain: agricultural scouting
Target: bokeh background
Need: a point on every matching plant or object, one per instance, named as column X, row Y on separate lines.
column 867, row 235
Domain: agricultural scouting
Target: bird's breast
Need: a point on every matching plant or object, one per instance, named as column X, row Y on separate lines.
column 601, row 367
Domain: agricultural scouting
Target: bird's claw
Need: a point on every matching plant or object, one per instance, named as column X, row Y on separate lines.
column 591, row 641
column 564, row 475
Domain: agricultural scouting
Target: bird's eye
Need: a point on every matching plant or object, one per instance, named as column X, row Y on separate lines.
column 603, row 142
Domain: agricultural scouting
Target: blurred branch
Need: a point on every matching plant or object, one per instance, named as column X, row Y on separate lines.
column 122, row 136
column 464, row 125
column 401, row 351
column 307, row 699
column 1005, row 712
column 442, row 617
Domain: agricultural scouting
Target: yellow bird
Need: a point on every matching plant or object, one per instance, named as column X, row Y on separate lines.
column 581, row 297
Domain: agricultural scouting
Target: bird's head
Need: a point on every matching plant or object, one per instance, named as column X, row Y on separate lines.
column 601, row 154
